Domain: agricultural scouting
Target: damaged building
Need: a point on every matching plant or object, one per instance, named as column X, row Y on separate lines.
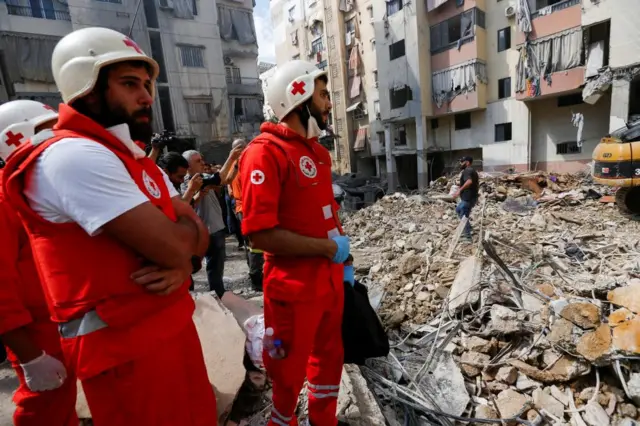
column 519, row 84
column 208, row 90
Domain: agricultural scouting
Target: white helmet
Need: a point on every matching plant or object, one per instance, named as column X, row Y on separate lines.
column 79, row 56
column 18, row 122
column 291, row 85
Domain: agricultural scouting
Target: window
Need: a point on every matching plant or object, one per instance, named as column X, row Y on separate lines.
column 447, row 34
column 375, row 78
column 381, row 138
column 376, row 107
column 194, row 7
column 165, row 108
column 541, row 4
column 192, row 56
column 504, row 39
column 568, row 148
column 394, row 6
column 350, row 26
column 399, row 98
column 163, row 3
column 504, row 88
column 199, row 111
column 238, row 107
column 396, row 50
column 292, row 12
column 316, row 29
column 150, row 13
column 402, row 136
column 317, row 46
column 462, row 121
column 157, row 53
column 434, row 123
column 370, row 10
column 503, row 132
column 569, row 100
column 322, row 65
column 232, row 74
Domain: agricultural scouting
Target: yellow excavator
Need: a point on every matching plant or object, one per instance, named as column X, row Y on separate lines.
column 616, row 162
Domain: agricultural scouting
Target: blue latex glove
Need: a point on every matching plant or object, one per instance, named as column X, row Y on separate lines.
column 349, row 275
column 343, row 249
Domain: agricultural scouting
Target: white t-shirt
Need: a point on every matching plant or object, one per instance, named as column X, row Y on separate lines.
column 82, row 181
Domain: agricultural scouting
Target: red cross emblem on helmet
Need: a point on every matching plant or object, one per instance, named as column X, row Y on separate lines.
column 298, row 88
column 14, row 139
column 127, row 41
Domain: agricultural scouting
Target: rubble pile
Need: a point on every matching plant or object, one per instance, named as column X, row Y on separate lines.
column 534, row 322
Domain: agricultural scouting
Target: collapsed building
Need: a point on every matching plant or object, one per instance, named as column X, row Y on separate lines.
column 535, row 322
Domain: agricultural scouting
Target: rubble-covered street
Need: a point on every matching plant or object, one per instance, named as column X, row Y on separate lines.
column 533, row 322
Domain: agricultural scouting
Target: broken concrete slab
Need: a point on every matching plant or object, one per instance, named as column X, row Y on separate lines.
column 511, row 403
column 445, row 385
column 626, row 297
column 507, row 375
column 478, row 344
column 544, row 400
column 503, row 321
column 356, row 404
column 565, row 369
column 595, row 345
column 472, row 363
column 584, row 315
column 464, row 290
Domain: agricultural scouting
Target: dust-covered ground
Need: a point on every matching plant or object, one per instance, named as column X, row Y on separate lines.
column 235, row 277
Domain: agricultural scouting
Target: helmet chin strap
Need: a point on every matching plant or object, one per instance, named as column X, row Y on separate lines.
column 313, row 129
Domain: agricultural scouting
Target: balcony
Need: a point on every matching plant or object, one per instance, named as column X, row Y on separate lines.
column 244, row 88
column 460, row 88
column 29, row 12
column 557, row 83
column 553, row 19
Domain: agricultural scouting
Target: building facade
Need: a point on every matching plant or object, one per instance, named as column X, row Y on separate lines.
column 208, row 90
column 520, row 84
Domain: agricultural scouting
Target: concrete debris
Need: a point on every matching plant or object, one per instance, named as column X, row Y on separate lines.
column 537, row 319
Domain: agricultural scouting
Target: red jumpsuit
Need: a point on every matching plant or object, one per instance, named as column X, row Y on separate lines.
column 286, row 183
column 138, row 355
column 23, row 305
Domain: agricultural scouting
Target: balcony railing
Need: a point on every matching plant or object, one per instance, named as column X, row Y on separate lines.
column 29, row 12
column 554, row 8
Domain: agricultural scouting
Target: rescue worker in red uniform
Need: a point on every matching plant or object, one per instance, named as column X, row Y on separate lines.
column 113, row 241
column 47, row 392
column 290, row 214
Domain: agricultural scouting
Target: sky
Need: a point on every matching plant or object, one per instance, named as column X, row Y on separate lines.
column 264, row 31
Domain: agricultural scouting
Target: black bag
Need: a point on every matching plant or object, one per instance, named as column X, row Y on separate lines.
column 362, row 333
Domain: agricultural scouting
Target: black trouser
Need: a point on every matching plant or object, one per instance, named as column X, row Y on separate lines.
column 255, row 262
column 215, row 262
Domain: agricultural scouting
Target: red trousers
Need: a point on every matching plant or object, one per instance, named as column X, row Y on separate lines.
column 311, row 333
column 166, row 388
column 52, row 408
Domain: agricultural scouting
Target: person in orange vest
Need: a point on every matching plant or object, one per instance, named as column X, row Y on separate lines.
column 255, row 257
column 47, row 392
column 289, row 212
column 112, row 239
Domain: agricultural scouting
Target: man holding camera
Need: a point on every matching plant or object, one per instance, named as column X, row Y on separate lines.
column 208, row 208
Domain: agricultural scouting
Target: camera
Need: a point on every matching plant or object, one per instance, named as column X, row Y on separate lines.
column 162, row 139
column 208, row 180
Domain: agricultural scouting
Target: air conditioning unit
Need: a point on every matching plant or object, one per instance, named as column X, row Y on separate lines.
column 227, row 60
column 377, row 116
column 510, row 11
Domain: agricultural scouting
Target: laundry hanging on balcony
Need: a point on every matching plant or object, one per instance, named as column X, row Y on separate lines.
column 28, row 56
column 539, row 58
column 361, row 139
column 183, row 9
column 523, row 16
column 354, row 88
column 236, row 25
column 449, row 83
column 354, row 59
